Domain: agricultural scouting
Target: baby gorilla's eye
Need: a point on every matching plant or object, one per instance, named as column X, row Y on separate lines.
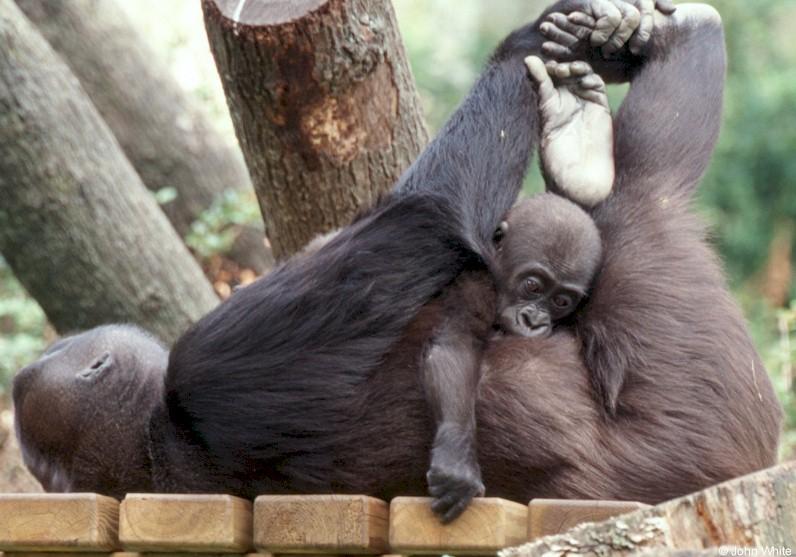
column 562, row 301
column 532, row 285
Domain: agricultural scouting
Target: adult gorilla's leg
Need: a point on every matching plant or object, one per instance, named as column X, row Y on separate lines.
column 665, row 130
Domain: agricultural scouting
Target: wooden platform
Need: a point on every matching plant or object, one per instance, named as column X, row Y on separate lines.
column 347, row 524
column 201, row 523
column 487, row 526
column 158, row 525
column 58, row 522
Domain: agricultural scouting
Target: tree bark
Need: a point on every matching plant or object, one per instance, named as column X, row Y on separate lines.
column 758, row 510
column 165, row 135
column 324, row 106
column 77, row 226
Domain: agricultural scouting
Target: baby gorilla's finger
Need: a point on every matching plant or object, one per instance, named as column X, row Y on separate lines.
column 561, row 21
column 630, row 22
column 441, row 505
column 665, row 6
column 541, row 78
column 454, row 512
column 554, row 33
column 644, row 31
column 607, row 18
column 554, row 50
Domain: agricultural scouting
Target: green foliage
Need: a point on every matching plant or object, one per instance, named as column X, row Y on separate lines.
column 749, row 189
column 22, row 327
column 216, row 228
column 166, row 195
column 775, row 333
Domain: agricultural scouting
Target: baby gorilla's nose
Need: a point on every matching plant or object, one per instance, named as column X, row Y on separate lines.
column 536, row 323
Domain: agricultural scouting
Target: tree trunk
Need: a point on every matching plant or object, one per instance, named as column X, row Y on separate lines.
column 167, row 138
column 77, row 226
column 324, row 106
column 756, row 510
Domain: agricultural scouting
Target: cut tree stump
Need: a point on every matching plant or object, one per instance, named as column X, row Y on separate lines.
column 486, row 526
column 323, row 103
column 58, row 522
column 555, row 516
column 755, row 510
column 185, row 523
column 322, row 524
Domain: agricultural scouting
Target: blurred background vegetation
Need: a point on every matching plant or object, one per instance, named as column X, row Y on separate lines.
column 748, row 196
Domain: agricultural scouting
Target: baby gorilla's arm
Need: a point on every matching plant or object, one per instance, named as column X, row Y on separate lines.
column 450, row 370
column 577, row 133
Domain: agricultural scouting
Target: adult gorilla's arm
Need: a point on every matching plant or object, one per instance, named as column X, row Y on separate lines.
column 648, row 293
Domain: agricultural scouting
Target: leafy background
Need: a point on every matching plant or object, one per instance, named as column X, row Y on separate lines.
column 748, row 195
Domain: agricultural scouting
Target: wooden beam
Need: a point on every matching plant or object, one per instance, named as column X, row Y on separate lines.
column 488, row 525
column 185, row 523
column 337, row 524
column 758, row 510
column 555, row 516
column 58, row 522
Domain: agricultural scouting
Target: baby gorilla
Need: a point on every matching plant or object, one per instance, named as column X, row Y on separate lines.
column 547, row 253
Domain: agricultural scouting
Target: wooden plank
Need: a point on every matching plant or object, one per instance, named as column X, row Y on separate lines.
column 58, row 522
column 556, row 516
column 185, row 523
column 488, row 525
column 337, row 524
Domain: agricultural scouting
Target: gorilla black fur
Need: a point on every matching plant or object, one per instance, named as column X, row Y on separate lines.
column 307, row 380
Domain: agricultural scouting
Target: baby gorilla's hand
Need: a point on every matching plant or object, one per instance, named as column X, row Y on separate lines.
column 454, row 476
column 577, row 130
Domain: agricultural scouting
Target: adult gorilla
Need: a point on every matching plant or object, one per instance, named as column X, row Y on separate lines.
column 307, row 380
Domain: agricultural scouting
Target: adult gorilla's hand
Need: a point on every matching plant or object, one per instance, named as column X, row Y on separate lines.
column 597, row 31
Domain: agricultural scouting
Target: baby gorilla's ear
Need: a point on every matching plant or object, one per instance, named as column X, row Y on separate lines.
column 500, row 232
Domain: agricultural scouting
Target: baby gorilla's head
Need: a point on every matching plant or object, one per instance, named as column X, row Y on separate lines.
column 548, row 251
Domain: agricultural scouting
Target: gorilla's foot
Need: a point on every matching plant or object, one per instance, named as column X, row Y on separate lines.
column 577, row 130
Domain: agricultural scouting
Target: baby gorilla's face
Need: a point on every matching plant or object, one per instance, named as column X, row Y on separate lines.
column 548, row 251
